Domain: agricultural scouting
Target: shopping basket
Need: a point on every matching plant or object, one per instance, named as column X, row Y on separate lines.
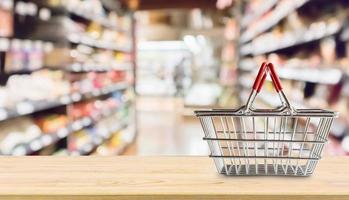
column 283, row 141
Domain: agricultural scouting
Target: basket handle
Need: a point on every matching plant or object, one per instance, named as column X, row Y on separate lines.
column 264, row 69
column 262, row 75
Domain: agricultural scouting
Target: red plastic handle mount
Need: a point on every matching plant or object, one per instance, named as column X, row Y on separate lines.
column 262, row 75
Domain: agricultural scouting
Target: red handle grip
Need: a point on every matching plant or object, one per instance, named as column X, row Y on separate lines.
column 257, row 83
column 262, row 75
column 274, row 77
column 261, row 83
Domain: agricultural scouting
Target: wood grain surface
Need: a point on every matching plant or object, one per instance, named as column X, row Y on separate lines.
column 132, row 177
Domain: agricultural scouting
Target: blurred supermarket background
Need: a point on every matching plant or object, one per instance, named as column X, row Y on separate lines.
column 122, row 77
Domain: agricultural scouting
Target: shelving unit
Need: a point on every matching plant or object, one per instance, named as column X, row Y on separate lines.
column 77, row 77
column 100, row 44
column 29, row 107
column 281, row 11
column 257, row 13
column 306, row 42
column 291, row 39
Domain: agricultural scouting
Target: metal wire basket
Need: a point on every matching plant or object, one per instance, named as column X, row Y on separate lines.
column 283, row 141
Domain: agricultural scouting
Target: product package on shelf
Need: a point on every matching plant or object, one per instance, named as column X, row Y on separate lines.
column 17, row 131
column 20, row 88
column 26, row 55
column 6, row 18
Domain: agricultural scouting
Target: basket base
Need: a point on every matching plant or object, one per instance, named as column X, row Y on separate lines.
column 264, row 170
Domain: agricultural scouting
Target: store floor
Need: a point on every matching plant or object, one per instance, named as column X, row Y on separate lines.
column 163, row 130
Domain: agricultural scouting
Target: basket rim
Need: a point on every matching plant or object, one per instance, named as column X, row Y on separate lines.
column 323, row 141
column 266, row 157
column 267, row 113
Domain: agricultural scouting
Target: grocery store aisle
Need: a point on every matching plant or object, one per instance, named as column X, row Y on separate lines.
column 162, row 130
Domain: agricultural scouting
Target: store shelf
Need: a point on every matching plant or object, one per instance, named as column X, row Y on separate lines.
column 100, row 44
column 290, row 39
column 80, row 68
column 29, row 107
column 47, row 139
column 5, row 43
column 315, row 75
column 89, row 147
column 41, row 141
column 130, row 130
column 98, row 19
column 267, row 5
column 279, row 13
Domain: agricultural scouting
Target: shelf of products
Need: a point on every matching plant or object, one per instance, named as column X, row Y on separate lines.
column 52, row 128
column 47, row 78
column 281, row 10
column 117, row 143
column 309, row 50
column 256, row 10
column 88, row 11
column 24, row 55
column 315, row 32
column 28, row 107
column 97, row 43
column 84, row 141
column 291, row 70
column 96, row 67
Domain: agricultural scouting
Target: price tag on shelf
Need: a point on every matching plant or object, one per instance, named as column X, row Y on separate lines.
column 24, row 108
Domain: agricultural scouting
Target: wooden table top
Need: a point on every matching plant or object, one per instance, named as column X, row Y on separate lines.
column 171, row 177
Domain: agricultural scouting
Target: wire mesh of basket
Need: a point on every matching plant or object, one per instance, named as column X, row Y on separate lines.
column 283, row 141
